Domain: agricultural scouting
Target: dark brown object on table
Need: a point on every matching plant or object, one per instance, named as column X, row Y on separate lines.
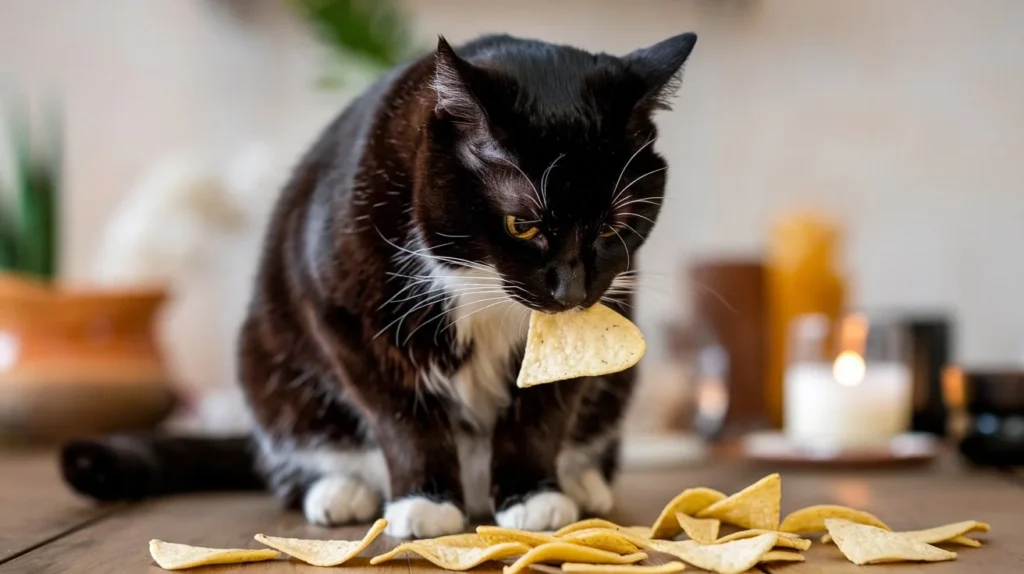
column 728, row 302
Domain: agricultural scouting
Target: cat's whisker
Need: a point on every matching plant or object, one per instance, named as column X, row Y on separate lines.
column 469, row 290
column 501, row 299
column 630, row 227
column 635, row 214
column 625, row 167
column 624, row 203
column 539, row 200
column 624, row 246
column 613, row 301
column 544, row 180
column 653, row 171
column 470, row 314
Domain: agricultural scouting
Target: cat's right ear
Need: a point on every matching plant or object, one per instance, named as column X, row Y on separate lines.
column 455, row 98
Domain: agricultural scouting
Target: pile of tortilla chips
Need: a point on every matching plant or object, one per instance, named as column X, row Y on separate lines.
column 686, row 533
column 589, row 343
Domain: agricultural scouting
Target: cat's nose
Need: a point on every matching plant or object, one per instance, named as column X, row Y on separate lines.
column 570, row 287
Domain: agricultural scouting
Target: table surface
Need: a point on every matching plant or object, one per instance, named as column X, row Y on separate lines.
column 44, row 528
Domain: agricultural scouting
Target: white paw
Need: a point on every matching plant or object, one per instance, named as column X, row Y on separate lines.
column 543, row 511
column 589, row 489
column 338, row 500
column 418, row 517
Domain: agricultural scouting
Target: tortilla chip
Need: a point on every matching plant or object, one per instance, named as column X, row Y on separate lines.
column 703, row 530
column 729, row 558
column 587, row 524
column 580, row 568
column 786, row 539
column 499, row 535
column 689, row 502
column 587, row 343
column 949, row 532
column 172, row 556
column 756, row 506
column 565, row 552
column 602, row 539
column 452, row 556
column 781, row 556
column 812, row 518
column 863, row 544
column 963, row 541
column 323, row 552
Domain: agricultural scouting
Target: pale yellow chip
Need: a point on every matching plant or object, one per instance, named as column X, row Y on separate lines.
column 781, row 556
column 323, row 552
column 949, row 532
column 586, row 524
column 559, row 552
column 812, row 518
column 729, row 558
column 863, row 544
column 499, row 535
column 756, row 506
column 452, row 556
column 689, row 502
column 173, row 556
column 786, row 539
column 580, row 568
column 963, row 541
column 602, row 539
column 587, row 343
column 703, row 530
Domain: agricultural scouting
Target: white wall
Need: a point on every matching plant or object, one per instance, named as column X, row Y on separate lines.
column 902, row 117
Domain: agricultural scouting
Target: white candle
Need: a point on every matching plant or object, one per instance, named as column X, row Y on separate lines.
column 847, row 403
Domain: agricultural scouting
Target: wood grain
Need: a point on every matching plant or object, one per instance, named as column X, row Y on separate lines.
column 35, row 506
column 905, row 498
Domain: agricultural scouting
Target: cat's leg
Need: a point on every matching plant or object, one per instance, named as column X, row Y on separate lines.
column 527, row 440
column 589, row 458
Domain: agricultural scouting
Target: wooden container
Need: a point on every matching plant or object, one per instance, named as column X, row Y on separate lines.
column 79, row 361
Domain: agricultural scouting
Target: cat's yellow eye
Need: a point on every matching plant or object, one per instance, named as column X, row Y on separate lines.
column 608, row 231
column 520, row 229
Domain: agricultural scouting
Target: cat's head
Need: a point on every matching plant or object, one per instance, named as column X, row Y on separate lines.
column 540, row 163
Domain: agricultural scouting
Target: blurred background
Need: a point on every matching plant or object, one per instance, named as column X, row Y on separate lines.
column 885, row 136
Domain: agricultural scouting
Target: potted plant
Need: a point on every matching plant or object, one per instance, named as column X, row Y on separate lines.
column 72, row 360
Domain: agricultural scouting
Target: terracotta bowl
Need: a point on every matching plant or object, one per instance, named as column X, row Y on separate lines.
column 77, row 361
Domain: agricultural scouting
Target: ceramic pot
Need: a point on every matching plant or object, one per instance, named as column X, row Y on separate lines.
column 77, row 361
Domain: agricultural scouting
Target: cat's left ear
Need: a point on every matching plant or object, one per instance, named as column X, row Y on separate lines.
column 452, row 77
column 660, row 66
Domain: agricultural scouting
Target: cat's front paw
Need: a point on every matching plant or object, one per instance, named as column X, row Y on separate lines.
column 419, row 517
column 540, row 511
column 589, row 489
column 338, row 500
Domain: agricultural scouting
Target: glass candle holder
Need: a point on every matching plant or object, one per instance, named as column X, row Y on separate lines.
column 847, row 382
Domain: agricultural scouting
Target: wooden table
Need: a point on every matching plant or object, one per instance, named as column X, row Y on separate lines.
column 43, row 528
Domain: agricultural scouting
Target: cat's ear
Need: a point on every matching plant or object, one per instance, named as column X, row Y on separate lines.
column 452, row 75
column 660, row 67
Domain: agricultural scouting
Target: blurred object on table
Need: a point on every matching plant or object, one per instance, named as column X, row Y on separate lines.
column 930, row 339
column 802, row 278
column 990, row 402
column 77, row 361
column 847, row 382
column 723, row 347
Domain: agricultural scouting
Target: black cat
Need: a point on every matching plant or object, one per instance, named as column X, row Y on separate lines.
column 457, row 194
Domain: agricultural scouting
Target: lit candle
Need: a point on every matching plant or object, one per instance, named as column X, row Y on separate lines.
column 847, row 403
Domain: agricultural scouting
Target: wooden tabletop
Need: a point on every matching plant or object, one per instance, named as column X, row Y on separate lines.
column 43, row 528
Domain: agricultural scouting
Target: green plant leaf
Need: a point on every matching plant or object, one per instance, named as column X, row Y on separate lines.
column 375, row 30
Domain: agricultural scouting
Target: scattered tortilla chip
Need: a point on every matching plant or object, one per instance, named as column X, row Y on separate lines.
column 689, row 502
column 963, row 541
column 863, row 544
column 641, row 531
column 451, row 556
column 499, row 535
column 602, row 539
column 949, row 532
column 588, row 343
column 703, row 530
column 565, row 552
column 586, row 524
column 324, row 552
column 172, row 556
column 786, row 539
column 756, row 506
column 580, row 568
column 781, row 556
column 729, row 558
column 812, row 518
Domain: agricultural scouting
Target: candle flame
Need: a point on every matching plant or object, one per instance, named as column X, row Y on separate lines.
column 849, row 368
